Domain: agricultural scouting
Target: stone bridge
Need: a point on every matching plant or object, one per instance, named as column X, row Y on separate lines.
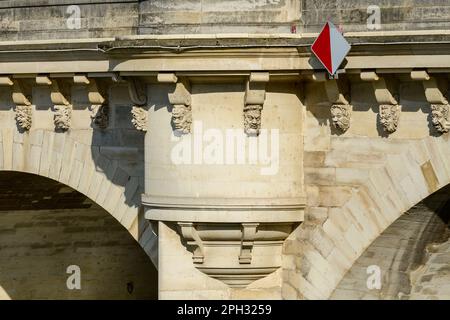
column 223, row 166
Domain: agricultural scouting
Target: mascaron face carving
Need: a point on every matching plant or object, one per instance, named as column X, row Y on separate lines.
column 252, row 119
column 439, row 117
column 181, row 118
column 340, row 116
column 62, row 117
column 389, row 117
column 139, row 118
column 24, row 116
column 100, row 116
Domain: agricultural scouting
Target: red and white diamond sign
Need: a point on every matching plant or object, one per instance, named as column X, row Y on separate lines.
column 330, row 47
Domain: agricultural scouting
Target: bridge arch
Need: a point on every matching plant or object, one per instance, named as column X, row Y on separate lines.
column 111, row 176
column 56, row 243
column 410, row 257
column 385, row 179
column 358, row 183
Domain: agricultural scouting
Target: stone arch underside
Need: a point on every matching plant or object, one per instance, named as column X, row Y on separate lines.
column 96, row 171
column 356, row 189
column 50, row 235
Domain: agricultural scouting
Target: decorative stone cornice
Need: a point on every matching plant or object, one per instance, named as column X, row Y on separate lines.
column 255, row 95
column 180, row 98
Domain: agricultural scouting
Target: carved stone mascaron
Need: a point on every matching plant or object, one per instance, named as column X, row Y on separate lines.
column 252, row 119
column 439, row 117
column 340, row 116
column 389, row 117
column 182, row 118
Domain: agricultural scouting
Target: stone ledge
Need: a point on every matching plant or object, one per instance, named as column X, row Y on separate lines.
column 233, row 39
column 224, row 210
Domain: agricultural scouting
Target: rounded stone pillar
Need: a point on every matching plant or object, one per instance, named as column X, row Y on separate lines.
column 234, row 195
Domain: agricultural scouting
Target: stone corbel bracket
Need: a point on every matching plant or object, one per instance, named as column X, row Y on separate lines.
column 435, row 90
column 248, row 235
column 255, row 95
column 338, row 93
column 180, row 98
column 386, row 94
column 248, row 239
column 138, row 96
column 60, row 97
column 98, row 100
column 23, row 108
column 189, row 233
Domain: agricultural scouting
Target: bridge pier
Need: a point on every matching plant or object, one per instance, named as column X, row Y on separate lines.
column 230, row 197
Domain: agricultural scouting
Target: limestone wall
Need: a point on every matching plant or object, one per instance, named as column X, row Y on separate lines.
column 105, row 165
column 358, row 183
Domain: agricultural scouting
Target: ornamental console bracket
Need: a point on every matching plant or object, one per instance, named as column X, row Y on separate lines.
column 138, row 96
column 180, row 98
column 248, row 235
column 98, row 98
column 190, row 234
column 247, row 242
column 338, row 93
column 255, row 95
column 21, row 98
column 386, row 93
column 435, row 89
column 60, row 97
column 235, row 241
